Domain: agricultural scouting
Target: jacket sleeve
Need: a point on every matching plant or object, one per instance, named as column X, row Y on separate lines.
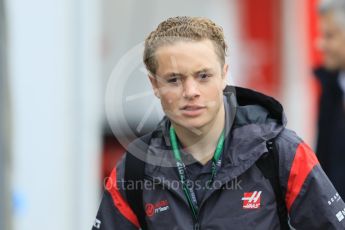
column 311, row 199
column 114, row 212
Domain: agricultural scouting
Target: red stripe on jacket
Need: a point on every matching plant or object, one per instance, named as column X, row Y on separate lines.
column 118, row 200
column 303, row 163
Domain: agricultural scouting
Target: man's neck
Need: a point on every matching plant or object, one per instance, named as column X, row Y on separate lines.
column 202, row 143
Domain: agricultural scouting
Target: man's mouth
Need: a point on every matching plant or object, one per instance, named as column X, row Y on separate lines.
column 192, row 110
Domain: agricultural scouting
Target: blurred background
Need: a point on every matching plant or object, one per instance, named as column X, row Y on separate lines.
column 56, row 61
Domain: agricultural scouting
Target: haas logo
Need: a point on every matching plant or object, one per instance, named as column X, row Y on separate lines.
column 251, row 200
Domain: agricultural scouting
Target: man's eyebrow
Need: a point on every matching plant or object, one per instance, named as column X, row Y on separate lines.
column 170, row 74
column 203, row 70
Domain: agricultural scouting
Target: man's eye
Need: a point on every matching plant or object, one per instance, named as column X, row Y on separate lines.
column 204, row 76
column 173, row 80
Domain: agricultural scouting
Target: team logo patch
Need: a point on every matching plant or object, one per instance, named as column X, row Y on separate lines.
column 341, row 215
column 252, row 200
column 152, row 209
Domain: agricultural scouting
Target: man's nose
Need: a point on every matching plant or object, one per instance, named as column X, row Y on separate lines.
column 190, row 89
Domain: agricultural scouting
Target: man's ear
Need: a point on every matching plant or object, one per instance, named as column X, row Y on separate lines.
column 224, row 75
column 154, row 85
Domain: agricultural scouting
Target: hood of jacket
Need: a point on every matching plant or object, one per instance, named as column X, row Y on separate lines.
column 252, row 119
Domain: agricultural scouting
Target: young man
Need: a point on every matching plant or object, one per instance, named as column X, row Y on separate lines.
column 221, row 158
column 331, row 124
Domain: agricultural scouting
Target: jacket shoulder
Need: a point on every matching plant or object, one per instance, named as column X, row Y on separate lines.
column 288, row 144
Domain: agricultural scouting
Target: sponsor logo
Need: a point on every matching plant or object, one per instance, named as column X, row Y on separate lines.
column 152, row 209
column 340, row 215
column 333, row 199
column 97, row 224
column 251, row 200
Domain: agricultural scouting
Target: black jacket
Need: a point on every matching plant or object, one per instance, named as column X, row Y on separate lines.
column 331, row 129
column 311, row 199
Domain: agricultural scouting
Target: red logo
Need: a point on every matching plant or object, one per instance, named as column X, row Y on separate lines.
column 251, row 200
column 158, row 207
column 149, row 209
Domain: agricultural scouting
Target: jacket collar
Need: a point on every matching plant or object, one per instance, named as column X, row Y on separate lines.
column 251, row 119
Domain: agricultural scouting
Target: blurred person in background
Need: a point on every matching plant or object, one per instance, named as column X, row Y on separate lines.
column 331, row 121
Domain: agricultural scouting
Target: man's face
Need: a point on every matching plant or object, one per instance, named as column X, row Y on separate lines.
column 332, row 41
column 189, row 82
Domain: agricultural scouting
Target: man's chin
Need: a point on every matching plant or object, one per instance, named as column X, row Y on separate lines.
column 332, row 65
column 196, row 126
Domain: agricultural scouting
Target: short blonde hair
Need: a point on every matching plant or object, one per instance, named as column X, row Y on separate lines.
column 183, row 29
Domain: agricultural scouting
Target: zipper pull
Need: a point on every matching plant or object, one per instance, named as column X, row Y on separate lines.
column 197, row 226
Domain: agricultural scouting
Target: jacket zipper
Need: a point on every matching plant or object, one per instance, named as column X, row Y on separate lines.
column 196, row 226
column 196, row 223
